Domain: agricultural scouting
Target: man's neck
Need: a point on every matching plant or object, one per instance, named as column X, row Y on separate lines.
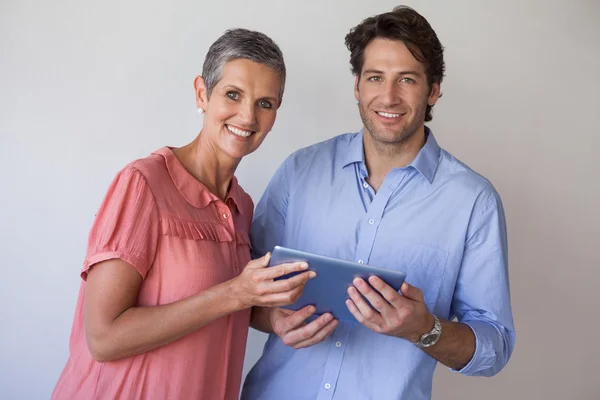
column 381, row 158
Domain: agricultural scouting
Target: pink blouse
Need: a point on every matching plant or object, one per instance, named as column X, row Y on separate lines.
column 182, row 239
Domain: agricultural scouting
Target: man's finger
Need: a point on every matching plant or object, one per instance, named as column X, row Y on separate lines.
column 319, row 336
column 287, row 311
column 355, row 311
column 388, row 292
column 360, row 303
column 376, row 300
column 293, row 319
column 307, row 331
column 412, row 292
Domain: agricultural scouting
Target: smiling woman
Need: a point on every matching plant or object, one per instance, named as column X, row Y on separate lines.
column 242, row 108
column 168, row 284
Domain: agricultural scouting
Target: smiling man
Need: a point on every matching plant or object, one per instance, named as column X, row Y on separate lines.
column 389, row 196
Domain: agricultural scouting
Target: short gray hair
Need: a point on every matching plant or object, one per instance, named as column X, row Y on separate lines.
column 241, row 43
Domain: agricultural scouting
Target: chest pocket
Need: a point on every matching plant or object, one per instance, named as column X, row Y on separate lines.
column 424, row 267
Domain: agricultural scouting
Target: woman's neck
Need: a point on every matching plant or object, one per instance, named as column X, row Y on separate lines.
column 208, row 165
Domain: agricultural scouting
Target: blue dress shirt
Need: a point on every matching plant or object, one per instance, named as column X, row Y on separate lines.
column 436, row 219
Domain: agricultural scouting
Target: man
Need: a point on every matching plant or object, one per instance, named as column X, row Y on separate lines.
column 390, row 197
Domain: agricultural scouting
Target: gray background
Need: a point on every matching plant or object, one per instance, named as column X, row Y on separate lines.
column 86, row 87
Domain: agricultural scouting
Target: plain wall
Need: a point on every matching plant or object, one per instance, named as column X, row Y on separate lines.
column 86, row 87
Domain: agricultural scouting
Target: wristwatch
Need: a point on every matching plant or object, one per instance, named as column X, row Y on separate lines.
column 430, row 338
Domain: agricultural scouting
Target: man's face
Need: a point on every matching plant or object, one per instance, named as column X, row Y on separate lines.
column 393, row 92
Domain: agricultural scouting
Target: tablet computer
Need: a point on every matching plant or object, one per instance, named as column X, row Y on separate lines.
column 328, row 290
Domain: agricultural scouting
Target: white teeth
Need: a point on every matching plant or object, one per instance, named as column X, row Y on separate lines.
column 238, row 132
column 388, row 115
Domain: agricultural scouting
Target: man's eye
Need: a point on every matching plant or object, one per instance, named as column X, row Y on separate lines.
column 407, row 80
column 375, row 79
column 233, row 95
column 265, row 104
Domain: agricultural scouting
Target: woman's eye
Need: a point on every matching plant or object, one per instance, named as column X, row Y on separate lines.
column 233, row 95
column 265, row 104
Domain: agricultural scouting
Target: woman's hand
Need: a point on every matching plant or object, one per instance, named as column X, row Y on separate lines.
column 117, row 327
column 256, row 285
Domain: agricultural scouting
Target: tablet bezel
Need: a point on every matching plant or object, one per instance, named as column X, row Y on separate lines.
column 328, row 290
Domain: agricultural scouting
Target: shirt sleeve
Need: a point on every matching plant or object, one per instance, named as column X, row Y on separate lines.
column 268, row 225
column 126, row 225
column 482, row 296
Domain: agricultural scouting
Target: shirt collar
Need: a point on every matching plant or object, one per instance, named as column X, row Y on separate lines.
column 356, row 152
column 192, row 190
column 428, row 158
column 426, row 161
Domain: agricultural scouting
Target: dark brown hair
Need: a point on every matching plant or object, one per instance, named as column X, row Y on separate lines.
column 408, row 26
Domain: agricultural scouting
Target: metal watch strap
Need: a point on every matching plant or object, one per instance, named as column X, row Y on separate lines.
column 430, row 338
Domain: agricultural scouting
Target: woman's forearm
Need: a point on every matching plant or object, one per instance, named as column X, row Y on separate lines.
column 141, row 329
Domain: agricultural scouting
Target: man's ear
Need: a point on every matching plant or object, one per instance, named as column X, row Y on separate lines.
column 356, row 92
column 434, row 95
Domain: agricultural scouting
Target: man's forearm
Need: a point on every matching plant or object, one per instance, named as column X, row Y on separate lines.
column 260, row 319
column 456, row 345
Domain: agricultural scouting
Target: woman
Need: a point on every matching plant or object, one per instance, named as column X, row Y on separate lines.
column 164, row 306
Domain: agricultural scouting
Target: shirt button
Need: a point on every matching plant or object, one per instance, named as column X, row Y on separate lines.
column 371, row 221
column 225, row 215
column 327, row 386
column 365, row 185
column 338, row 344
column 360, row 261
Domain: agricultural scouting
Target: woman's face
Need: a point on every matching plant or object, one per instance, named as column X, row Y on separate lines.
column 242, row 107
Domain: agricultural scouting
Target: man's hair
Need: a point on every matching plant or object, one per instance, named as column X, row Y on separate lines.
column 409, row 27
column 241, row 43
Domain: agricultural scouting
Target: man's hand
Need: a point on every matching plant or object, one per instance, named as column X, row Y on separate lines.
column 294, row 332
column 405, row 316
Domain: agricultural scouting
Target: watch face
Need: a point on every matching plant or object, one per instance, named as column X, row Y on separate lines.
column 430, row 339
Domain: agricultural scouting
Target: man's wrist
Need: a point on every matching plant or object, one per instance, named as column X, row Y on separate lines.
column 426, row 327
column 432, row 336
column 261, row 319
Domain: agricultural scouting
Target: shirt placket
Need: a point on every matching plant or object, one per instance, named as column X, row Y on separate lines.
column 370, row 222
column 226, row 216
column 337, row 347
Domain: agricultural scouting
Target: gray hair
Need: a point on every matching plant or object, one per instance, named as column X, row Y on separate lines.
column 241, row 43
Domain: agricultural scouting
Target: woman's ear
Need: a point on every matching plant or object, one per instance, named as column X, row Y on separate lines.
column 201, row 94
